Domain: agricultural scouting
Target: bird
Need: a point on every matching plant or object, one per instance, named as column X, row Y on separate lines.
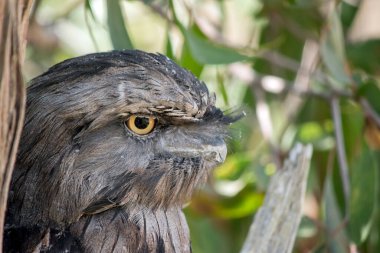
column 113, row 146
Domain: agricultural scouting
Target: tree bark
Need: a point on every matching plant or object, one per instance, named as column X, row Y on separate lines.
column 275, row 226
column 14, row 18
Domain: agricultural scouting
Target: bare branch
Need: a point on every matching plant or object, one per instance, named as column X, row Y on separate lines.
column 293, row 102
column 265, row 121
column 276, row 223
column 14, row 19
column 309, row 60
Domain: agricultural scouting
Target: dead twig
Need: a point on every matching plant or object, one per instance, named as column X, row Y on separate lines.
column 14, row 19
column 293, row 102
column 265, row 121
column 276, row 223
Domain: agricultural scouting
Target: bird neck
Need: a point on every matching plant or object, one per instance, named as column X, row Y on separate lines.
column 134, row 229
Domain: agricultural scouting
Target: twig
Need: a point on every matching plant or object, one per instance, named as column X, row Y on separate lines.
column 369, row 111
column 277, row 85
column 275, row 226
column 336, row 115
column 285, row 62
column 302, row 81
column 293, row 103
column 265, row 121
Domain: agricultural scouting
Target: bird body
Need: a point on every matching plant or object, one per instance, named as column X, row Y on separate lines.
column 113, row 146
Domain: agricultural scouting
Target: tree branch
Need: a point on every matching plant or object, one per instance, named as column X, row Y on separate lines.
column 276, row 223
column 14, row 19
column 265, row 120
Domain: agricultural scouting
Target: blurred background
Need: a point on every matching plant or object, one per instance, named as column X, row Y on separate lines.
column 303, row 71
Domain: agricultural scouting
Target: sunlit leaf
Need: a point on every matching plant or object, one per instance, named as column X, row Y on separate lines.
column 118, row 32
column 90, row 30
column 243, row 204
column 87, row 5
column 364, row 180
column 233, row 166
column 315, row 133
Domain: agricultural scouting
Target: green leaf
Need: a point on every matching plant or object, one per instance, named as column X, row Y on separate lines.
column 221, row 87
column 363, row 195
column 205, row 237
column 206, row 52
column 234, row 166
column 118, row 32
column 243, row 204
column 87, row 5
column 187, row 61
column 352, row 122
column 202, row 50
column 370, row 90
column 365, row 56
column 314, row 132
column 333, row 53
column 169, row 47
column 333, row 220
column 89, row 10
column 347, row 14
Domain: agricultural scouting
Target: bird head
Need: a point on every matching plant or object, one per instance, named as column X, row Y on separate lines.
column 123, row 128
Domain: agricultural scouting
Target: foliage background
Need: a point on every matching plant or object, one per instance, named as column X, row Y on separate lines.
column 302, row 70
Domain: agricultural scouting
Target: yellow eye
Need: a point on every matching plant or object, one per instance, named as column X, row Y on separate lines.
column 141, row 125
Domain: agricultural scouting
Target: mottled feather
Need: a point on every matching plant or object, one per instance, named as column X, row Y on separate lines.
column 84, row 182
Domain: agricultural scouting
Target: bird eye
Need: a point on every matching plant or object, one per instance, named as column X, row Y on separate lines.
column 141, row 125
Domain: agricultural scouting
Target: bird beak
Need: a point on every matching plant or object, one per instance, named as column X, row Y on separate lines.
column 216, row 153
column 213, row 151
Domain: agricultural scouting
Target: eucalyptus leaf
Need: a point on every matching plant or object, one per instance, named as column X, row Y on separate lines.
column 169, row 47
column 365, row 56
column 118, row 32
column 333, row 220
column 363, row 195
column 187, row 61
column 87, row 5
column 370, row 90
column 333, row 53
column 206, row 52
column 205, row 237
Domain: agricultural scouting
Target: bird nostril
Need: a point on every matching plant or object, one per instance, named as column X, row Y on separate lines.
column 217, row 154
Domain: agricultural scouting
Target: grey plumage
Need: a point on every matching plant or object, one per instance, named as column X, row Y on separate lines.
column 84, row 182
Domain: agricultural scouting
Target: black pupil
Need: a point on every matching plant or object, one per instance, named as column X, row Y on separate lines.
column 141, row 122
